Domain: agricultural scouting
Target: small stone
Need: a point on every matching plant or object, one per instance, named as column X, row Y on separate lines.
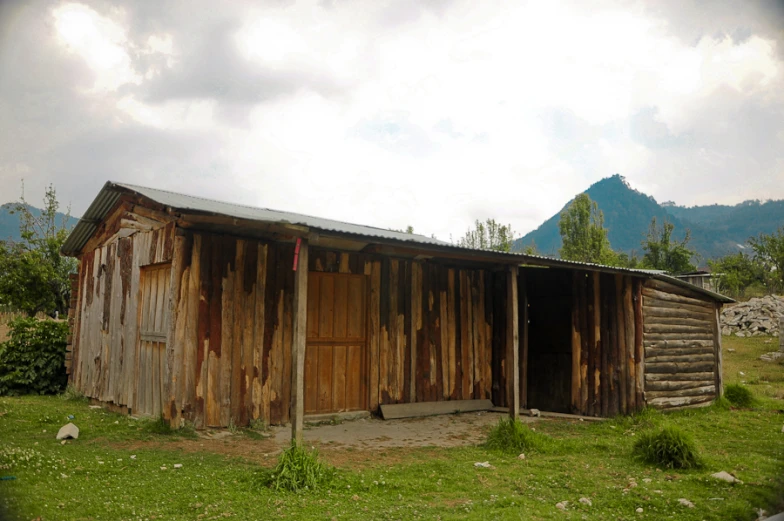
column 725, row 476
column 178, row 465
column 685, row 502
column 730, row 350
column 646, row 480
column 639, row 510
column 163, row 468
column 95, row 407
column 522, row 456
column 355, row 497
column 585, row 501
column 63, row 442
column 483, row 465
column 68, row 431
column 534, row 412
column 133, row 456
column 561, row 505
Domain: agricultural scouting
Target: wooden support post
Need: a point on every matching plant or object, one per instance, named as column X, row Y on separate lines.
column 596, row 348
column 524, row 353
column 512, row 345
column 717, row 347
column 576, row 342
column 298, row 343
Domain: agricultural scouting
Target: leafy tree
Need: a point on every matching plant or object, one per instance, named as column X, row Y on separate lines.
column 489, row 235
column 583, row 235
column 663, row 252
column 769, row 249
column 32, row 360
column 738, row 272
column 33, row 273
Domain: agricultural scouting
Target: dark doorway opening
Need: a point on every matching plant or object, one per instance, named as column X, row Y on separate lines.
column 549, row 377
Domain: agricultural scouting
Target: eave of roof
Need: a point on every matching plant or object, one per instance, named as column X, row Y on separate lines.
column 111, row 192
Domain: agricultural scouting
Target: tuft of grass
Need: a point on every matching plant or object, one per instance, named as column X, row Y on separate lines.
column 721, row 404
column 233, row 427
column 258, row 424
column 669, row 447
column 299, row 469
column 512, row 437
column 72, row 394
column 739, row 396
column 158, row 426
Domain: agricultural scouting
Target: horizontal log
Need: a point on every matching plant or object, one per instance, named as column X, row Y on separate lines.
column 694, row 391
column 652, row 337
column 679, row 321
column 677, row 402
column 679, row 367
column 666, row 344
column 682, row 377
column 679, row 358
column 415, row 410
column 669, row 385
column 676, row 351
column 677, row 328
column 658, row 303
column 674, row 297
column 672, row 288
column 653, row 312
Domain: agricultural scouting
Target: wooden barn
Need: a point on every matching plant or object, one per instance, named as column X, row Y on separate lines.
column 217, row 313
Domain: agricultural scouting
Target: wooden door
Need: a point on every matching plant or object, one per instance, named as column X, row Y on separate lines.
column 335, row 356
column 153, row 323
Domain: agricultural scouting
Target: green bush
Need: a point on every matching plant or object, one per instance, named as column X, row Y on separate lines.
column 739, row 396
column 669, row 447
column 513, row 437
column 299, row 469
column 32, row 361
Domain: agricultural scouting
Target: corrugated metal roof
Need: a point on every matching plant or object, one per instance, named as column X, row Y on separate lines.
column 111, row 192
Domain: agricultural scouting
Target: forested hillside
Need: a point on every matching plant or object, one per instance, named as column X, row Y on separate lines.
column 9, row 223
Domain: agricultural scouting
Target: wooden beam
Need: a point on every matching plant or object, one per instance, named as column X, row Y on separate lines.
column 596, row 348
column 300, row 320
column 576, row 342
column 512, row 345
column 717, row 347
column 524, row 354
column 422, row 409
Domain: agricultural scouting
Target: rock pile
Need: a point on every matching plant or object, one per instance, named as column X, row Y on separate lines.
column 758, row 316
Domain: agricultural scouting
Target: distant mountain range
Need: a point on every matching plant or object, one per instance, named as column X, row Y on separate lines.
column 9, row 223
column 716, row 230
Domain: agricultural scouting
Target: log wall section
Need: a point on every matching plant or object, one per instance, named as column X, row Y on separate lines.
column 682, row 346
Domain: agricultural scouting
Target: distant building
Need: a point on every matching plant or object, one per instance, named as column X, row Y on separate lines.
column 700, row 278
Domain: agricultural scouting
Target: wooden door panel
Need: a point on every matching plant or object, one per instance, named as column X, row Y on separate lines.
column 336, row 345
column 153, row 323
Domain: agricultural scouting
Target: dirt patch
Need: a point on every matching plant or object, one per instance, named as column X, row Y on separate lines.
column 357, row 443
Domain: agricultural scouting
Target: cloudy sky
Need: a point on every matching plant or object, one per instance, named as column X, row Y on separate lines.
column 429, row 113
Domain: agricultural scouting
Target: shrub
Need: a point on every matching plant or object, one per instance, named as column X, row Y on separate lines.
column 738, row 395
column 669, row 447
column 513, row 437
column 299, row 469
column 32, row 360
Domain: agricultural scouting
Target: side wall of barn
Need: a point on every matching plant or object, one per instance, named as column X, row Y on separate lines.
column 106, row 359
column 432, row 329
column 682, row 344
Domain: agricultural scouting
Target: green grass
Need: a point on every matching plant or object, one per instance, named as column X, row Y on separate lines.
column 512, row 437
column 299, row 469
column 669, row 447
column 739, row 395
column 95, row 477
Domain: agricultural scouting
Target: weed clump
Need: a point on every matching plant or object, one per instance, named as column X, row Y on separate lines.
column 158, row 426
column 72, row 394
column 738, row 395
column 512, row 436
column 299, row 469
column 669, row 447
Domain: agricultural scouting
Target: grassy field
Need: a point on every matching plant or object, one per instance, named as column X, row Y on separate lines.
column 95, row 477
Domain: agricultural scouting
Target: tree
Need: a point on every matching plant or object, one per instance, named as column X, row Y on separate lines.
column 488, row 235
column 738, row 272
column 33, row 273
column 583, row 235
column 663, row 252
column 769, row 249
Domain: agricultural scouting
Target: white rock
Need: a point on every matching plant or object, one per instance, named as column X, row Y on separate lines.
column 685, row 502
column 534, row 412
column 95, row 407
column 646, row 480
column 522, row 456
column 483, row 465
column 725, row 476
column 639, row 510
column 178, row 465
column 68, row 430
column 561, row 505
column 133, row 456
column 585, row 501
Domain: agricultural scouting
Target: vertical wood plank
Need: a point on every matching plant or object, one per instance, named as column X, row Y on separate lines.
column 339, row 357
column 298, row 344
column 523, row 297
column 631, row 356
column 717, row 351
column 512, row 343
column 311, row 379
column 638, row 347
column 260, row 397
column 597, row 343
column 175, row 334
column 576, row 342
column 326, row 319
column 314, row 298
column 620, row 357
column 326, row 371
column 451, row 334
column 353, row 378
column 374, row 269
column 340, row 308
column 416, row 310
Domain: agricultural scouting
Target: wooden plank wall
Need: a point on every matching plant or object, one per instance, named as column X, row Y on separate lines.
column 104, row 364
column 234, row 326
column 607, row 361
column 680, row 346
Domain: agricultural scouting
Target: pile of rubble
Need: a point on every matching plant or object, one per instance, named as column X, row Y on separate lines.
column 758, row 316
